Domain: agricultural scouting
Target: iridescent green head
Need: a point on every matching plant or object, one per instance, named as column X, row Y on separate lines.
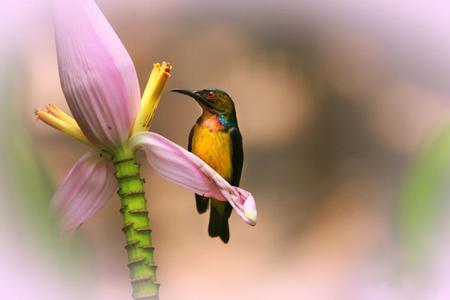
column 214, row 101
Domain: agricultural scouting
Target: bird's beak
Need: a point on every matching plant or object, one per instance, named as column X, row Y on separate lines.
column 194, row 95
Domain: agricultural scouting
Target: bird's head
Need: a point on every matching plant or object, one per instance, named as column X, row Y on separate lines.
column 214, row 101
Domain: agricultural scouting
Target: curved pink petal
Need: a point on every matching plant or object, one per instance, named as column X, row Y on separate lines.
column 97, row 75
column 88, row 186
column 188, row 170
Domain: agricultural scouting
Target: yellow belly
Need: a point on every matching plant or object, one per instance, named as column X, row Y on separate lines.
column 214, row 148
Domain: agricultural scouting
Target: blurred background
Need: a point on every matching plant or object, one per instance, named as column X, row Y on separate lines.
column 344, row 107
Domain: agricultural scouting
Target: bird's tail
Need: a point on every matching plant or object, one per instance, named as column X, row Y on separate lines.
column 218, row 220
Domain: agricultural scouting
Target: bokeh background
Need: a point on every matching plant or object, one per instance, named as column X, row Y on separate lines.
column 344, row 106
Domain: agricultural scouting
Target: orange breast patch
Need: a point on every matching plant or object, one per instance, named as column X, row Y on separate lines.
column 214, row 148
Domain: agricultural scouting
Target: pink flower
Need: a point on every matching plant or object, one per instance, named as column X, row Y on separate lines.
column 101, row 87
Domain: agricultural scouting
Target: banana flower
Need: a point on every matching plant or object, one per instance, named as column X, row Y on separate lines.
column 101, row 87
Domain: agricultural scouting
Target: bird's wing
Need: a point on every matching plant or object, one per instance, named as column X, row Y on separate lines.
column 237, row 155
column 191, row 134
column 237, row 160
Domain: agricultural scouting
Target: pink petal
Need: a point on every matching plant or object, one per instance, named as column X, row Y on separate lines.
column 87, row 187
column 97, row 74
column 188, row 170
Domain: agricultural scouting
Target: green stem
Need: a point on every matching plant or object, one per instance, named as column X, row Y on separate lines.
column 136, row 226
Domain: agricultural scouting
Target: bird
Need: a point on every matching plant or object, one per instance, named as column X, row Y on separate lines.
column 216, row 139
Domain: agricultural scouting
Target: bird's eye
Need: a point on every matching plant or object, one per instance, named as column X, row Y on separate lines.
column 210, row 94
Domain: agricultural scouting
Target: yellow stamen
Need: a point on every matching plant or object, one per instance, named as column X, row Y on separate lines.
column 54, row 110
column 151, row 80
column 63, row 125
column 151, row 97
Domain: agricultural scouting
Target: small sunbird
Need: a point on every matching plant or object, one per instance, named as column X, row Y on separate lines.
column 216, row 139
